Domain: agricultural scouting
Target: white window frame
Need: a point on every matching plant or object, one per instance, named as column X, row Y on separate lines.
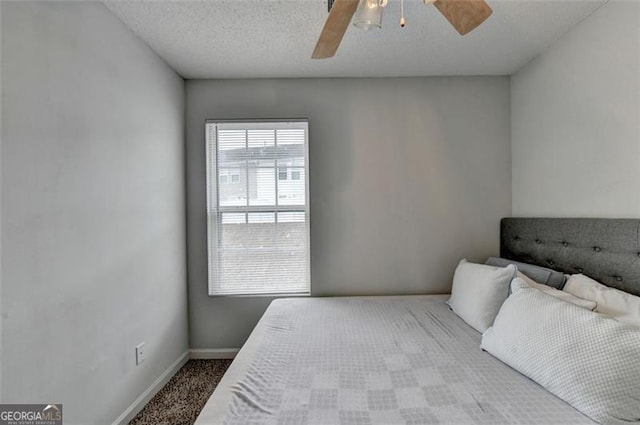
column 214, row 210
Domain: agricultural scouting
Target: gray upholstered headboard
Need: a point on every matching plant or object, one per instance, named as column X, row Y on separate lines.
column 607, row 250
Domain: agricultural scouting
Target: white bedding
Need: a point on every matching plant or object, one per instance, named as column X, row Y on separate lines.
column 374, row 360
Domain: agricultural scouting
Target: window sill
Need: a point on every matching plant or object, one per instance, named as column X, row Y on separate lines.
column 275, row 295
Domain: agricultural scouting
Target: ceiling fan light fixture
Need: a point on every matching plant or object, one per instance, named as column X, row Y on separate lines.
column 369, row 14
column 463, row 15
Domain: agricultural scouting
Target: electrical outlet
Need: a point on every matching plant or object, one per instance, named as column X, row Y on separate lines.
column 140, row 351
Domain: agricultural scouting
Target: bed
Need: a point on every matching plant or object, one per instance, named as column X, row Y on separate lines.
column 410, row 359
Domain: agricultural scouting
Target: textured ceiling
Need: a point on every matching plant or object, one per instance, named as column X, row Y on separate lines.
column 275, row 38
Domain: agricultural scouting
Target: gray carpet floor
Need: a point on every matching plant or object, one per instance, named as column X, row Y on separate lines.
column 180, row 401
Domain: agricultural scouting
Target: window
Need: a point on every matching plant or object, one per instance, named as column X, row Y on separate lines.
column 282, row 174
column 226, row 176
column 258, row 219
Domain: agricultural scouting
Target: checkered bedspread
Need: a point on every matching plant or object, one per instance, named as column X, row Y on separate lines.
column 369, row 360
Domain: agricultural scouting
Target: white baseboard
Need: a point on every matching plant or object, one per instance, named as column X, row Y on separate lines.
column 157, row 385
column 213, row 353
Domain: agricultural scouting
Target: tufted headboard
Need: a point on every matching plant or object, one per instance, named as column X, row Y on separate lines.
column 607, row 250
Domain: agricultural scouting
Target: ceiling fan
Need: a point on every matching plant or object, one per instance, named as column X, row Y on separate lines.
column 464, row 15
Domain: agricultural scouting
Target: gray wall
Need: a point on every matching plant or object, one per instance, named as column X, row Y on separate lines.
column 92, row 210
column 575, row 115
column 1, row 315
column 407, row 176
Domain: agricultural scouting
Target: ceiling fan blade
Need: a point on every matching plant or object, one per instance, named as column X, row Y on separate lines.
column 334, row 28
column 464, row 15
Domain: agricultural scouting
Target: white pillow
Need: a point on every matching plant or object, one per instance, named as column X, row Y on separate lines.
column 589, row 360
column 610, row 301
column 564, row 296
column 478, row 291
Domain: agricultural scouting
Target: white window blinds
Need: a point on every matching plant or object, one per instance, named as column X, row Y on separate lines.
column 258, row 207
